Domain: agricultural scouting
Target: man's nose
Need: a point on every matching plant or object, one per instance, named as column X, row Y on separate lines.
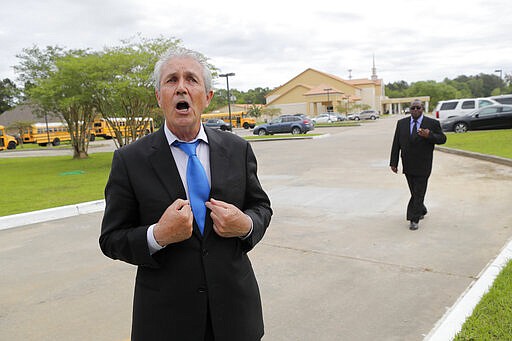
column 180, row 87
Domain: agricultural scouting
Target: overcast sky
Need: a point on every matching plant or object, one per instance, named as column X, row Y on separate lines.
column 266, row 43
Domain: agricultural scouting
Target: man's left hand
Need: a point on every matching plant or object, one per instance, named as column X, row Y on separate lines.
column 228, row 220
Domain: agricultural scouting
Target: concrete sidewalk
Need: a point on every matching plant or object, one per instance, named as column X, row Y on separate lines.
column 338, row 261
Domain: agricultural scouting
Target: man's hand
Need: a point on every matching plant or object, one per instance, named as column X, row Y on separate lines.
column 175, row 225
column 394, row 169
column 228, row 220
column 424, row 132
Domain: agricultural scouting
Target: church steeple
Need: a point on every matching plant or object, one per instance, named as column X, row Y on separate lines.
column 374, row 70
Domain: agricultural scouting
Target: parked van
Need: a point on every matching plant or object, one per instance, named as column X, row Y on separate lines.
column 457, row 107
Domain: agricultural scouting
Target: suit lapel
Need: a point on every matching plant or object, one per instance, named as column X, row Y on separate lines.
column 218, row 161
column 163, row 163
column 218, row 170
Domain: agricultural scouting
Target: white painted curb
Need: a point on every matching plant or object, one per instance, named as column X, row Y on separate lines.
column 451, row 323
column 22, row 219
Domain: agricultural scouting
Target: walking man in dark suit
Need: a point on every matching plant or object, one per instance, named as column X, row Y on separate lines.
column 414, row 141
column 185, row 206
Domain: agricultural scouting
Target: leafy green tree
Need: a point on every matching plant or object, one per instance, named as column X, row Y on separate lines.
column 68, row 89
column 80, row 84
column 462, row 87
column 8, row 94
column 254, row 111
column 436, row 91
column 396, row 89
column 125, row 91
column 253, row 96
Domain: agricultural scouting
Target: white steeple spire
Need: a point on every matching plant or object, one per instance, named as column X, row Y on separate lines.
column 374, row 70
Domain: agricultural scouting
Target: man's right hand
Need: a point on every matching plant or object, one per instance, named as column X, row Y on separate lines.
column 175, row 225
column 394, row 169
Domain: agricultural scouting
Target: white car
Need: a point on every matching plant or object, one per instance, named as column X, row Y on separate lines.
column 458, row 107
column 325, row 118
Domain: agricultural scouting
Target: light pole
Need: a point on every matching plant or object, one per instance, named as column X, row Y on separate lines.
column 328, row 89
column 227, row 75
column 500, row 71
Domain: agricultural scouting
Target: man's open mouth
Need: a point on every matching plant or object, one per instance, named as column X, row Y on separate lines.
column 182, row 105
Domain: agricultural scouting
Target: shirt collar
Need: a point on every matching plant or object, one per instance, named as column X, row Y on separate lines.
column 171, row 137
column 419, row 120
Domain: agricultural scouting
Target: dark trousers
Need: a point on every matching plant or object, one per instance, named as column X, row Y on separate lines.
column 418, row 188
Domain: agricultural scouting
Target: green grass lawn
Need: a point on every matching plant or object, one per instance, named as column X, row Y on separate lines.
column 492, row 317
column 35, row 183
column 492, row 142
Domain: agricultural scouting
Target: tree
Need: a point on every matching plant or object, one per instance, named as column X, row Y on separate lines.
column 80, row 84
column 252, row 96
column 436, row 91
column 254, row 111
column 126, row 91
column 219, row 100
column 8, row 94
column 68, row 89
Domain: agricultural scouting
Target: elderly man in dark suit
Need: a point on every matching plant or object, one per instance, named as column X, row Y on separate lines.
column 414, row 141
column 186, row 218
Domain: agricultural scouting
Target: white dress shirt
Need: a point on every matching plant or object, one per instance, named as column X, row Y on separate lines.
column 181, row 158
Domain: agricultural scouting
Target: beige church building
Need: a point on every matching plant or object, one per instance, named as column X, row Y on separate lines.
column 313, row 92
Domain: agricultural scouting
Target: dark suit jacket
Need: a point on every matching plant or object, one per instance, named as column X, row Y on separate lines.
column 416, row 152
column 174, row 286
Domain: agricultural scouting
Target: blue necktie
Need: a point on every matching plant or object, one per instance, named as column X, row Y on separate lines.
column 197, row 182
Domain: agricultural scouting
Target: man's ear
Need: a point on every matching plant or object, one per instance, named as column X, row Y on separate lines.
column 157, row 95
column 209, row 97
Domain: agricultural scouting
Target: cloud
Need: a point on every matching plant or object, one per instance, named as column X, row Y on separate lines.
column 268, row 42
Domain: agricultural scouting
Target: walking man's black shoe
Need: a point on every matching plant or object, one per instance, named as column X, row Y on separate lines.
column 413, row 226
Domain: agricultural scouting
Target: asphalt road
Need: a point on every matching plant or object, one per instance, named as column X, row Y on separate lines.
column 337, row 263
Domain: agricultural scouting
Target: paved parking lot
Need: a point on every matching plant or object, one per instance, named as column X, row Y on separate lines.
column 338, row 261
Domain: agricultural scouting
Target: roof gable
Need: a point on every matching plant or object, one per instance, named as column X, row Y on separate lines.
column 306, row 77
column 299, row 87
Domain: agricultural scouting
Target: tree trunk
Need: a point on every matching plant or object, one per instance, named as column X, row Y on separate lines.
column 79, row 154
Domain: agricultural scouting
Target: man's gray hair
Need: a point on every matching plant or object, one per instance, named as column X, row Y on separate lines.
column 180, row 52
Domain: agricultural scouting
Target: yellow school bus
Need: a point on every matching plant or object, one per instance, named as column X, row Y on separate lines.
column 43, row 133
column 142, row 127
column 6, row 141
column 238, row 119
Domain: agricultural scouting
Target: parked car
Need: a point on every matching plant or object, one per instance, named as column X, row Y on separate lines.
column 303, row 116
column 217, row 124
column 491, row 117
column 285, row 124
column 457, row 107
column 503, row 99
column 325, row 118
column 340, row 117
column 364, row 115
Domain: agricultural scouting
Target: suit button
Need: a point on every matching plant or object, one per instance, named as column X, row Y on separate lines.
column 202, row 290
column 205, row 252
